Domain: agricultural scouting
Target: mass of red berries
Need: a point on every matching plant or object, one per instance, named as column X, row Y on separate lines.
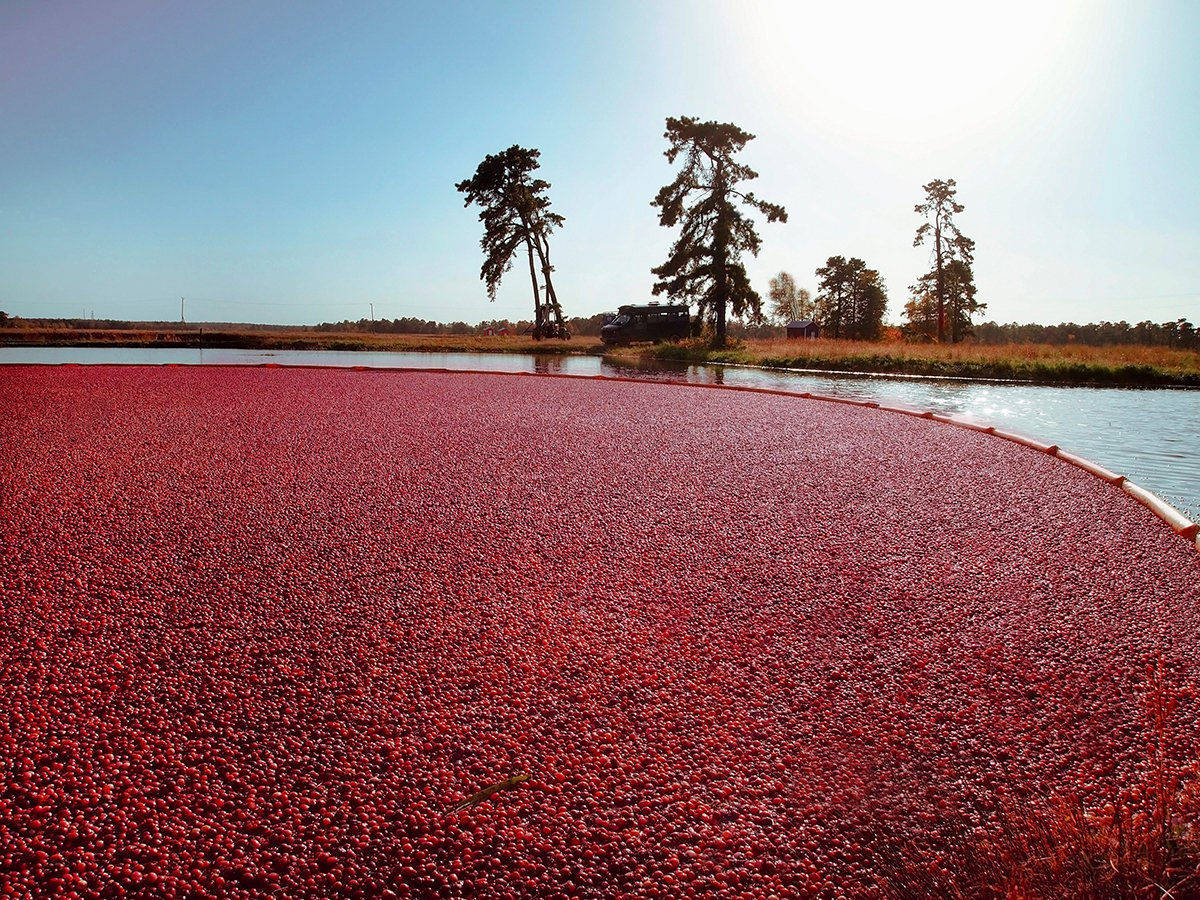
column 261, row 628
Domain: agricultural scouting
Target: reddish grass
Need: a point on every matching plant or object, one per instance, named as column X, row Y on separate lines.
column 1142, row 842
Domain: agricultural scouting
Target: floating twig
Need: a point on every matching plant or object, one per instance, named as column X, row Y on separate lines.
column 476, row 799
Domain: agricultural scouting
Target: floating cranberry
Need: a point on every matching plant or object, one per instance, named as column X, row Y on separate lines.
column 262, row 628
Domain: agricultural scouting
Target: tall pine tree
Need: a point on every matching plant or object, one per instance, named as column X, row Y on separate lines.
column 705, row 201
column 949, row 244
column 851, row 299
column 515, row 213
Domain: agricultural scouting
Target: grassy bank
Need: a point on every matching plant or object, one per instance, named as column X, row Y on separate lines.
column 1036, row 363
column 1132, row 366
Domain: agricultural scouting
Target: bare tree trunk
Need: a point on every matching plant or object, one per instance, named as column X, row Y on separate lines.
column 552, row 305
column 537, row 299
column 720, row 254
column 941, row 285
column 536, row 242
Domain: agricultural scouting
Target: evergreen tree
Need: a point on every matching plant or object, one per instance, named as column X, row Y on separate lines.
column 959, row 303
column 515, row 213
column 949, row 244
column 851, row 299
column 704, row 199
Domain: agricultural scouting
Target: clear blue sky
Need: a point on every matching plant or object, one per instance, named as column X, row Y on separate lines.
column 295, row 162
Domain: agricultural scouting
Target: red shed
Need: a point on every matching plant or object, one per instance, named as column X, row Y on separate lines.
column 803, row 328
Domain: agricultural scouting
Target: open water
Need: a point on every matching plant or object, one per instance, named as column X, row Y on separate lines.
column 1150, row 436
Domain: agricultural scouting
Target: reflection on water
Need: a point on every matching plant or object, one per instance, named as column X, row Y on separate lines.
column 1150, row 436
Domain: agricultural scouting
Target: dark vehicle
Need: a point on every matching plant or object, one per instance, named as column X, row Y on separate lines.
column 650, row 322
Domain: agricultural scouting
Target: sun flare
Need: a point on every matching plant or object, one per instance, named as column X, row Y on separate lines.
column 903, row 71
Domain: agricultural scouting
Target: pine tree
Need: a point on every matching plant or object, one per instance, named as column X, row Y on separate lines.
column 515, row 213
column 705, row 263
column 949, row 244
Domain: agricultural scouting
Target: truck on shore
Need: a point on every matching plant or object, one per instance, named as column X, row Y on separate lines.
column 655, row 322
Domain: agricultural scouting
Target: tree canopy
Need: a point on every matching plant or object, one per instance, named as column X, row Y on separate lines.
column 949, row 245
column 959, row 303
column 851, row 299
column 515, row 213
column 705, row 201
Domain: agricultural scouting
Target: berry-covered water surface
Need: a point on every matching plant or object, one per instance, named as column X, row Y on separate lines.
column 262, row 628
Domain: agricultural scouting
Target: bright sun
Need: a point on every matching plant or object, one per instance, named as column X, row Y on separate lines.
column 864, row 67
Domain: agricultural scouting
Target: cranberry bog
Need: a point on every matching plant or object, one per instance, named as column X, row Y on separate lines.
column 299, row 632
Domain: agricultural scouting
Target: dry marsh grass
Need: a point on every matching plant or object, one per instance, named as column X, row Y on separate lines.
column 1159, row 357
column 1144, row 842
column 1039, row 363
column 294, row 339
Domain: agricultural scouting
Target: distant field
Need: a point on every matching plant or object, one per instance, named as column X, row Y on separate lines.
column 292, row 339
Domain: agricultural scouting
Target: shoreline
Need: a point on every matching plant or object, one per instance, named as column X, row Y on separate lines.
column 1133, row 367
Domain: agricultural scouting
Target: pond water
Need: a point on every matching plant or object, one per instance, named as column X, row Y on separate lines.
column 1150, row 436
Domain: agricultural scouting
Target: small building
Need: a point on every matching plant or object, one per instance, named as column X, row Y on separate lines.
column 803, row 328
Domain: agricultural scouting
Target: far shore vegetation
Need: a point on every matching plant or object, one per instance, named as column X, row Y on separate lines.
column 1063, row 364
column 1112, row 354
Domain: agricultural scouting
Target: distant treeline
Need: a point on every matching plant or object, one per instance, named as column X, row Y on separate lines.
column 21, row 323
column 1179, row 334
column 580, row 326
